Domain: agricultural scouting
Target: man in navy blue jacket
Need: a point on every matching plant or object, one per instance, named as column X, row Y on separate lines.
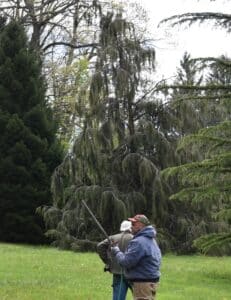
column 142, row 259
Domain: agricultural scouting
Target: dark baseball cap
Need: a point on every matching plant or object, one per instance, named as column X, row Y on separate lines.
column 140, row 218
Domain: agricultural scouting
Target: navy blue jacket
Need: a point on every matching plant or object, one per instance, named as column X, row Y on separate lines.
column 142, row 259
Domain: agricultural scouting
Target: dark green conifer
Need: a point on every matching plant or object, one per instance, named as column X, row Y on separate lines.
column 28, row 148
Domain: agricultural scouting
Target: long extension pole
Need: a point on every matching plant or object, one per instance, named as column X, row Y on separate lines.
column 96, row 221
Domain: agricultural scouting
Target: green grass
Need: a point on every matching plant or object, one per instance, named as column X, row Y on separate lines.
column 40, row 273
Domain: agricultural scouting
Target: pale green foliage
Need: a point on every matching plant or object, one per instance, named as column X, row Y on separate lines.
column 147, row 171
column 70, row 86
column 214, row 244
column 224, row 214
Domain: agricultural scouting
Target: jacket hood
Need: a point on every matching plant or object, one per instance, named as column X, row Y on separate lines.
column 148, row 231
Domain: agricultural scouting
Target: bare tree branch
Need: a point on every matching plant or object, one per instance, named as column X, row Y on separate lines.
column 54, row 44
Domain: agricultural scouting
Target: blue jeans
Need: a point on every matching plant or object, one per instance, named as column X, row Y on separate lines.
column 120, row 287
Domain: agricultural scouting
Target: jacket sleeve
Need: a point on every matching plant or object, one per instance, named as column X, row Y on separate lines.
column 132, row 256
column 102, row 249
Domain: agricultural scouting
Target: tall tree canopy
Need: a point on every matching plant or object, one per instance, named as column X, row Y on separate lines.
column 114, row 161
column 29, row 151
column 63, row 33
column 51, row 23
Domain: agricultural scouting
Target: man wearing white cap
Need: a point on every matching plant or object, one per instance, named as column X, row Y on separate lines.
column 120, row 284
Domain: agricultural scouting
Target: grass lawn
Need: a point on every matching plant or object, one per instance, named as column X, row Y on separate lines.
column 40, row 273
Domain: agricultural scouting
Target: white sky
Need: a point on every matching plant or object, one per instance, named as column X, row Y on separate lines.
column 199, row 41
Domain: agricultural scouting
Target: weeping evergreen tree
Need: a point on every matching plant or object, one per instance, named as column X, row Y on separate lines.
column 114, row 164
column 28, row 148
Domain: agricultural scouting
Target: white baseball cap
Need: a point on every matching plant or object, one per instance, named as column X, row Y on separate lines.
column 125, row 225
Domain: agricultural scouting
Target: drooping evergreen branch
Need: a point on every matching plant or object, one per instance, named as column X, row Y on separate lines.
column 221, row 61
column 220, row 19
column 224, row 214
column 209, row 87
column 208, row 194
column 212, row 242
column 189, row 140
column 198, row 173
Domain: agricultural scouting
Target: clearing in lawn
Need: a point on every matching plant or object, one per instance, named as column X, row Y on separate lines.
column 41, row 273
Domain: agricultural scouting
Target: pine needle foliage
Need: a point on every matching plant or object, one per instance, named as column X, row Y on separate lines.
column 200, row 185
column 29, row 151
column 114, row 163
column 218, row 19
column 209, row 181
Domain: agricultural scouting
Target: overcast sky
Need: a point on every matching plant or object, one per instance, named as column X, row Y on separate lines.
column 199, row 41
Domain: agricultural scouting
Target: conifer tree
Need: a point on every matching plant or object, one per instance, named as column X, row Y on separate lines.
column 114, row 164
column 205, row 186
column 197, row 103
column 204, row 180
column 29, row 151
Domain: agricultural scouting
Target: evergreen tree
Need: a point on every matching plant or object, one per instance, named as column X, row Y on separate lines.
column 196, row 103
column 29, row 151
column 205, row 185
column 187, row 111
column 114, row 164
column 204, row 179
